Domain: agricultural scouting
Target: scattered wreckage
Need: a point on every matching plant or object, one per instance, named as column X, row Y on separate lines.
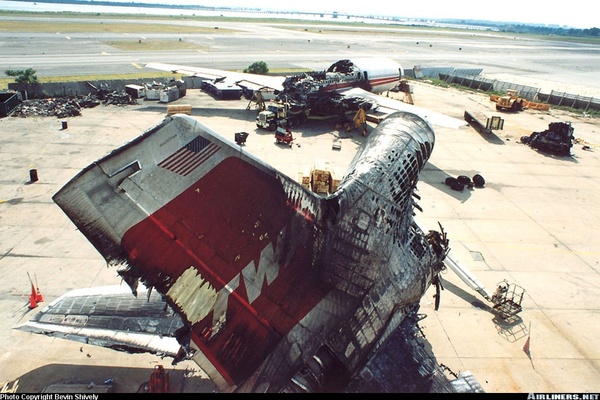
column 59, row 107
column 62, row 107
column 71, row 106
column 557, row 139
column 306, row 90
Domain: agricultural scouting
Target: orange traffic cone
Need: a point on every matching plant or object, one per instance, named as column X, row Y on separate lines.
column 38, row 295
column 33, row 298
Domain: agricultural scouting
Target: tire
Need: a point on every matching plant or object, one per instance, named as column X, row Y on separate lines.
column 478, row 181
column 465, row 180
column 457, row 186
column 450, row 181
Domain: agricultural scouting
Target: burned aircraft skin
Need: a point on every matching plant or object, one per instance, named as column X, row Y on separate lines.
column 322, row 92
column 109, row 316
column 279, row 289
column 319, row 90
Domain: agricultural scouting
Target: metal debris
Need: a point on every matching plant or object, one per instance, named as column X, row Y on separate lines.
column 306, row 90
column 58, row 107
column 557, row 139
column 62, row 107
column 121, row 98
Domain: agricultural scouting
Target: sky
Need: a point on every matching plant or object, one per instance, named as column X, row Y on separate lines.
column 574, row 13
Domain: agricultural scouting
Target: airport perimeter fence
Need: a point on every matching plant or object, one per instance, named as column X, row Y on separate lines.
column 571, row 100
column 469, row 77
column 420, row 72
column 489, row 85
column 528, row 92
column 82, row 88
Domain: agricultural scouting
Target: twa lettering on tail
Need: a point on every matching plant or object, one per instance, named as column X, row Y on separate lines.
column 253, row 278
column 272, row 287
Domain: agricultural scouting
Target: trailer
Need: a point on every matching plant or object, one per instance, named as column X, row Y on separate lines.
column 135, row 91
column 8, row 101
column 222, row 90
column 169, row 94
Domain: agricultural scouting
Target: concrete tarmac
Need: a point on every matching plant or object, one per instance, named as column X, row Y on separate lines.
column 534, row 224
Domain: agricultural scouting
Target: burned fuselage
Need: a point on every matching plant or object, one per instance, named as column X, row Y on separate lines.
column 319, row 91
column 279, row 289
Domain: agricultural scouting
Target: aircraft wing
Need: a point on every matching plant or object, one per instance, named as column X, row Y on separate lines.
column 273, row 82
column 386, row 105
column 111, row 317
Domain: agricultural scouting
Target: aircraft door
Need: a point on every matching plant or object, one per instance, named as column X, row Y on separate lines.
column 365, row 82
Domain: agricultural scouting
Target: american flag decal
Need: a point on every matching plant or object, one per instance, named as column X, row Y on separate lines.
column 190, row 156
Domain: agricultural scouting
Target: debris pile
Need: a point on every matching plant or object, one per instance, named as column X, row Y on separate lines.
column 335, row 104
column 557, row 139
column 55, row 107
column 62, row 107
column 121, row 98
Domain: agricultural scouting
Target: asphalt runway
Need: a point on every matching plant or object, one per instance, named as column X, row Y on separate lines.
column 534, row 224
column 546, row 63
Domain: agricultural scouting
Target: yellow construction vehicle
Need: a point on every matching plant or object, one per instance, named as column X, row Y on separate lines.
column 260, row 97
column 405, row 88
column 512, row 102
column 358, row 121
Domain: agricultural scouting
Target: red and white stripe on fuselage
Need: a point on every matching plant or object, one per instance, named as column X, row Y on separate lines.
column 376, row 85
column 382, row 84
column 373, row 74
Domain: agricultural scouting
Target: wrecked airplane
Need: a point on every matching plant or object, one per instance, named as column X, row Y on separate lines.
column 318, row 90
column 274, row 288
column 344, row 87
